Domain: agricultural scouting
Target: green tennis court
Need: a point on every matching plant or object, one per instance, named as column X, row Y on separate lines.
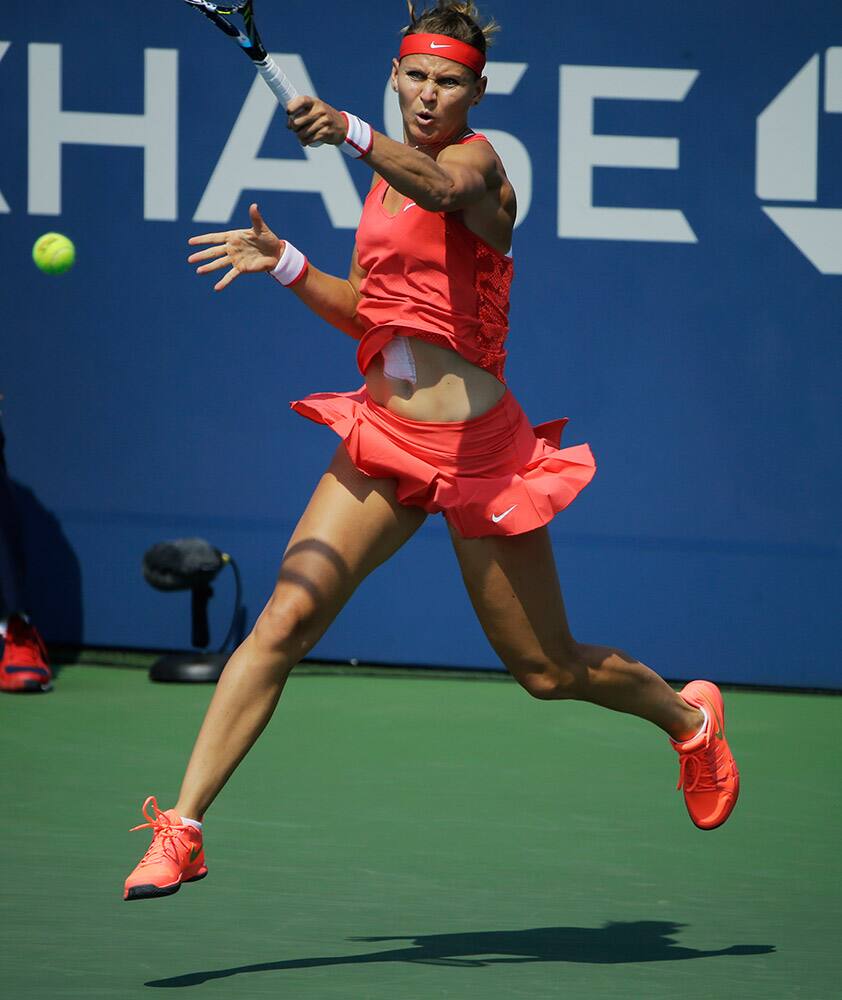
column 417, row 836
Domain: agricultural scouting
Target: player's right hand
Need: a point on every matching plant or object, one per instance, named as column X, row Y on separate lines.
column 315, row 121
column 244, row 251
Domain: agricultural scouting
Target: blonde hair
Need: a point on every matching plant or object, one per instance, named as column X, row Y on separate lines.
column 457, row 20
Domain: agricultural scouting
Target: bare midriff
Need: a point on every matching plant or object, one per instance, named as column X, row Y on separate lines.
column 448, row 388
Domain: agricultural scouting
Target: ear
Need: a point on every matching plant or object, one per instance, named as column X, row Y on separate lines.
column 394, row 77
column 482, row 83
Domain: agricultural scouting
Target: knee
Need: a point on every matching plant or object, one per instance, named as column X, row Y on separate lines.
column 286, row 626
column 556, row 678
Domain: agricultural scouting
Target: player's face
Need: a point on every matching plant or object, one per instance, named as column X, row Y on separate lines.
column 435, row 96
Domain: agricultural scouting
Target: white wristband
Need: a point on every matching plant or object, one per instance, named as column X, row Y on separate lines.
column 359, row 138
column 291, row 267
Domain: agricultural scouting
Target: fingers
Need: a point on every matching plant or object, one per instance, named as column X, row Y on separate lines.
column 194, row 258
column 310, row 132
column 226, row 280
column 256, row 218
column 207, row 238
column 309, row 137
column 217, row 265
column 300, row 104
column 316, row 123
column 305, row 119
column 218, row 257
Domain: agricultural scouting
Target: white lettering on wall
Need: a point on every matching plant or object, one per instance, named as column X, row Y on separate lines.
column 503, row 78
column 788, row 161
column 323, row 171
column 240, row 167
column 580, row 150
column 155, row 131
column 788, row 140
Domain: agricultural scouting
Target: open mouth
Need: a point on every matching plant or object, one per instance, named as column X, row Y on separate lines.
column 424, row 118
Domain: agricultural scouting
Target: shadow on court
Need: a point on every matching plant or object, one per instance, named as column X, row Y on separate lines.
column 615, row 943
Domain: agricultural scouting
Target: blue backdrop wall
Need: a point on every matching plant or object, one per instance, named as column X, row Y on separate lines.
column 677, row 294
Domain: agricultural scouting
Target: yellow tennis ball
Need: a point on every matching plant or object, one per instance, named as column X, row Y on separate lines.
column 53, row 253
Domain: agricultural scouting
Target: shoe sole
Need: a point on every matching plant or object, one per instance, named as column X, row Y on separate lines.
column 153, row 891
column 29, row 687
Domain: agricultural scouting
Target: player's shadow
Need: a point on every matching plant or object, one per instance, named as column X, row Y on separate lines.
column 614, row 943
column 52, row 574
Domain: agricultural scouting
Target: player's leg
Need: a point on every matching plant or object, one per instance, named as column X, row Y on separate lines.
column 514, row 588
column 351, row 525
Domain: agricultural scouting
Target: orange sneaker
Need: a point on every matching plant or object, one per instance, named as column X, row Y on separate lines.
column 175, row 855
column 708, row 773
column 25, row 665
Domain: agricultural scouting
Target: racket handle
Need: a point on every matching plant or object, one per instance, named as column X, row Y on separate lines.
column 278, row 82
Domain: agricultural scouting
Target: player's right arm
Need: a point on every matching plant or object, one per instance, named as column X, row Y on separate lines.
column 250, row 251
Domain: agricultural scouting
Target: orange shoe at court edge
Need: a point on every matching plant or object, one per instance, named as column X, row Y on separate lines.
column 25, row 665
column 708, row 772
column 175, row 855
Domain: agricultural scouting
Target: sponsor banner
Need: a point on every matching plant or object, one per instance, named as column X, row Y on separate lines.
column 678, row 261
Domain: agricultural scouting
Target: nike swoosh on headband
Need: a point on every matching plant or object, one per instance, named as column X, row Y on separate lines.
column 434, row 46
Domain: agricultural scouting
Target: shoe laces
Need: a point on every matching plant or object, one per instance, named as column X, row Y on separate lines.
column 29, row 648
column 165, row 835
column 699, row 769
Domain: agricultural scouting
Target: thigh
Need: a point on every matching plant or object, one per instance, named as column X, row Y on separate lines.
column 350, row 526
column 513, row 585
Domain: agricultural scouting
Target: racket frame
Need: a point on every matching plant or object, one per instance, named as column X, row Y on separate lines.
column 250, row 42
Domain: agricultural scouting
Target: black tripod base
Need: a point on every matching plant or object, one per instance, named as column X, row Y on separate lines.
column 189, row 668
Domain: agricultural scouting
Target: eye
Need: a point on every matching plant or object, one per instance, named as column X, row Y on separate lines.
column 449, row 81
column 414, row 74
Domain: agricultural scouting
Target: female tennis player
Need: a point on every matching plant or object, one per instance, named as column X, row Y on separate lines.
column 434, row 429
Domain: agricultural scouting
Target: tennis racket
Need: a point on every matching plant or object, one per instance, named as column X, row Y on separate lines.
column 249, row 41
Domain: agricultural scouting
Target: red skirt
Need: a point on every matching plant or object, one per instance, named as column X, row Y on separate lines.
column 491, row 475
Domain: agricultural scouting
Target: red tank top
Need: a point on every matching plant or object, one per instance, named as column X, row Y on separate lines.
column 429, row 276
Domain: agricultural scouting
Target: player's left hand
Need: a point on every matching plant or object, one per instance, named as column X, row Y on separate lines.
column 314, row 121
column 243, row 251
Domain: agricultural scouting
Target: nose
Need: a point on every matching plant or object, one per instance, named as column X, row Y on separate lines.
column 428, row 92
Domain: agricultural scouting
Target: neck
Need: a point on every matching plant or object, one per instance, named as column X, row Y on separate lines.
column 434, row 148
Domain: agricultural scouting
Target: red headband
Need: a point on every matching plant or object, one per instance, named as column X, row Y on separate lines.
column 446, row 47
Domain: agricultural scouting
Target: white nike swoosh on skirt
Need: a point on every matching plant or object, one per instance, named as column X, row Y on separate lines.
column 496, row 518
